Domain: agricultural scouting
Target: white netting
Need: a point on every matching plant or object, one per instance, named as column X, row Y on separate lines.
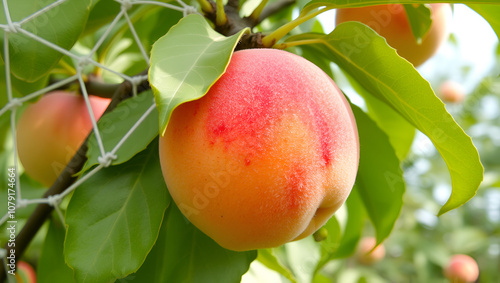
column 106, row 158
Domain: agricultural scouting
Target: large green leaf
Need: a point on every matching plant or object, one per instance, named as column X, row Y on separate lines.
column 186, row 62
column 401, row 133
column 183, row 253
column 51, row 267
column 30, row 60
column 19, row 87
column 114, row 125
column 380, row 179
column 360, row 3
column 366, row 57
column 114, row 218
column 102, row 14
column 491, row 13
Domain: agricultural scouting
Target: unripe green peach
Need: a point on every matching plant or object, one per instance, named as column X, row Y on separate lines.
column 50, row 131
column 366, row 253
column 461, row 269
column 266, row 156
column 391, row 22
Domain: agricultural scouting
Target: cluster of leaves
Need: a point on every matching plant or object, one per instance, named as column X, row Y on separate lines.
column 121, row 223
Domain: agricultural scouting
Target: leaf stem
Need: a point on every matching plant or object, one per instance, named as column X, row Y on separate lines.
column 258, row 11
column 205, row 6
column 271, row 39
column 297, row 43
column 220, row 18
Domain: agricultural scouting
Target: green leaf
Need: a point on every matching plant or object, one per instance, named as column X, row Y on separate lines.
column 114, row 218
column 114, row 125
column 401, row 133
column 268, row 259
column 103, row 12
column 20, row 88
column 51, row 266
column 30, row 60
column 490, row 13
column 366, row 57
column 303, row 256
column 420, row 20
column 361, row 3
column 121, row 53
column 183, row 253
column 186, row 62
column 380, row 179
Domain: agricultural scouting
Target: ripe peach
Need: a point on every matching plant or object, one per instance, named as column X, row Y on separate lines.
column 25, row 273
column 461, row 269
column 391, row 22
column 367, row 254
column 266, row 156
column 452, row 92
column 50, row 131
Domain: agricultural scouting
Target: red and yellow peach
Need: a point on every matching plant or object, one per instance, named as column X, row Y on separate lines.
column 266, row 156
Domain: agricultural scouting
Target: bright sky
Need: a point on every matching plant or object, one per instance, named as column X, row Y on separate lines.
column 476, row 47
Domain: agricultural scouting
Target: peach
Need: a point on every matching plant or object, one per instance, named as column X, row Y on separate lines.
column 25, row 273
column 452, row 92
column 50, row 131
column 391, row 22
column 367, row 252
column 266, row 156
column 461, row 269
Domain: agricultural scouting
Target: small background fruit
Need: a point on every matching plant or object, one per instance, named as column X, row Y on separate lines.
column 25, row 273
column 366, row 254
column 391, row 22
column 461, row 269
column 50, row 131
column 452, row 92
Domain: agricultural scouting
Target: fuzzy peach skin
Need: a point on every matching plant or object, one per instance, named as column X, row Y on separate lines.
column 391, row 22
column 50, row 131
column 462, row 269
column 367, row 254
column 266, row 156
